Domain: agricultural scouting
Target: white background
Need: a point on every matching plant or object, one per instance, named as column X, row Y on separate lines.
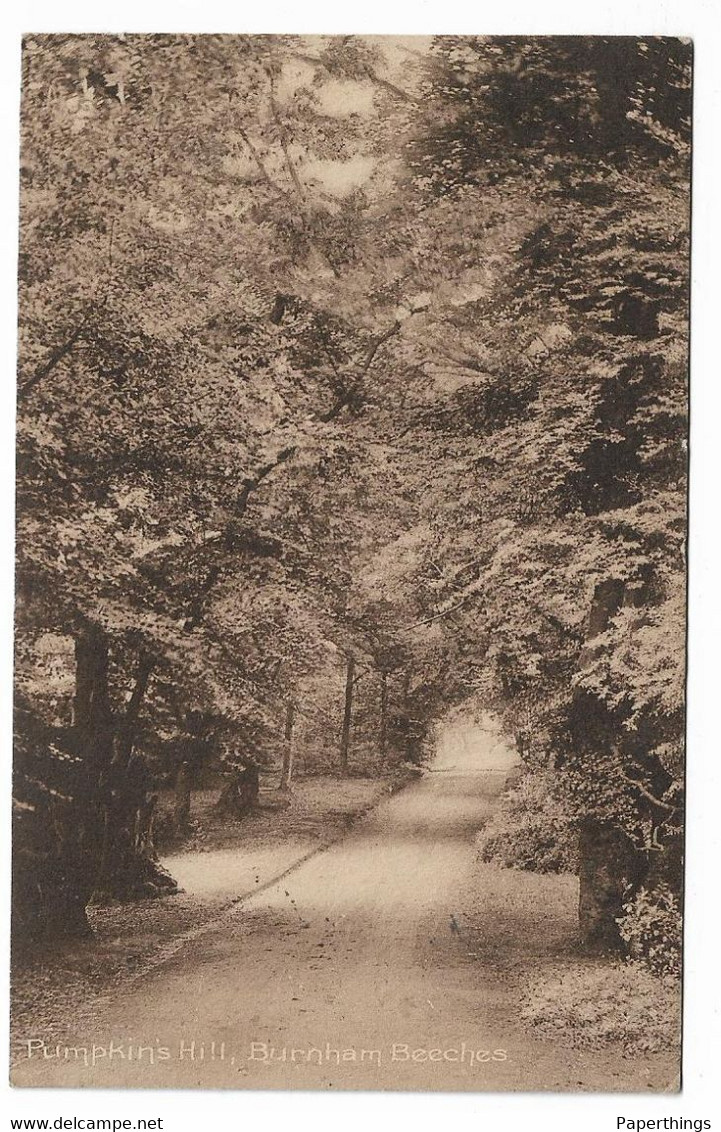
column 702, row 1045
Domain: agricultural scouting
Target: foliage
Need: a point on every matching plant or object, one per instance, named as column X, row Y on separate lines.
column 531, row 829
column 561, row 547
column 604, row 1003
column 651, row 926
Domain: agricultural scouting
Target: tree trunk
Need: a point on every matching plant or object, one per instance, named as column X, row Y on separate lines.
column 128, row 868
column 608, row 864
column 182, row 799
column 606, row 854
column 607, row 601
column 347, row 715
column 50, row 876
column 58, row 838
column 81, row 830
column 240, row 793
column 408, row 745
column 249, row 787
column 383, row 722
column 56, row 879
column 91, row 704
column 286, row 774
column 93, row 840
column 229, row 804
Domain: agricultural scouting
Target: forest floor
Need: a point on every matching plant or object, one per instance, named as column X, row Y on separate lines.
column 393, row 959
column 221, row 862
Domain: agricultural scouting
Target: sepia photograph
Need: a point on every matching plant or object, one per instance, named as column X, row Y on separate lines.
column 351, row 523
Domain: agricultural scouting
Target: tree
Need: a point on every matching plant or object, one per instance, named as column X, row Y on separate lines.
column 578, row 498
column 165, row 387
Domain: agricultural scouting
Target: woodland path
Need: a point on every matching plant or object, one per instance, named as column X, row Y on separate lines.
column 393, row 936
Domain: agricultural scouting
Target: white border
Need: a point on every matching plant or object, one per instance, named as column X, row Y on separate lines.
column 700, row 20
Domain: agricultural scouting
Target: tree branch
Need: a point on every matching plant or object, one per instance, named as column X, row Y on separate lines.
column 252, row 484
column 405, row 95
column 438, row 616
column 284, row 141
column 260, row 163
column 647, row 794
column 346, row 397
column 145, row 667
column 372, row 75
column 293, row 172
column 129, row 721
column 55, row 358
column 375, row 346
column 325, row 343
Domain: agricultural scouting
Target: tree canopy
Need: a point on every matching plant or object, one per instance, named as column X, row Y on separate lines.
column 353, row 347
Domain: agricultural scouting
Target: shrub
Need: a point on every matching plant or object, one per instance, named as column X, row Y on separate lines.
column 651, row 927
column 530, row 829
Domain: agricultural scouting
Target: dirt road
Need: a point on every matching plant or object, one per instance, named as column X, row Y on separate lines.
column 379, row 963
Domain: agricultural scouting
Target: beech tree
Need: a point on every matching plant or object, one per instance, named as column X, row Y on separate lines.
column 576, row 362
column 164, row 388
